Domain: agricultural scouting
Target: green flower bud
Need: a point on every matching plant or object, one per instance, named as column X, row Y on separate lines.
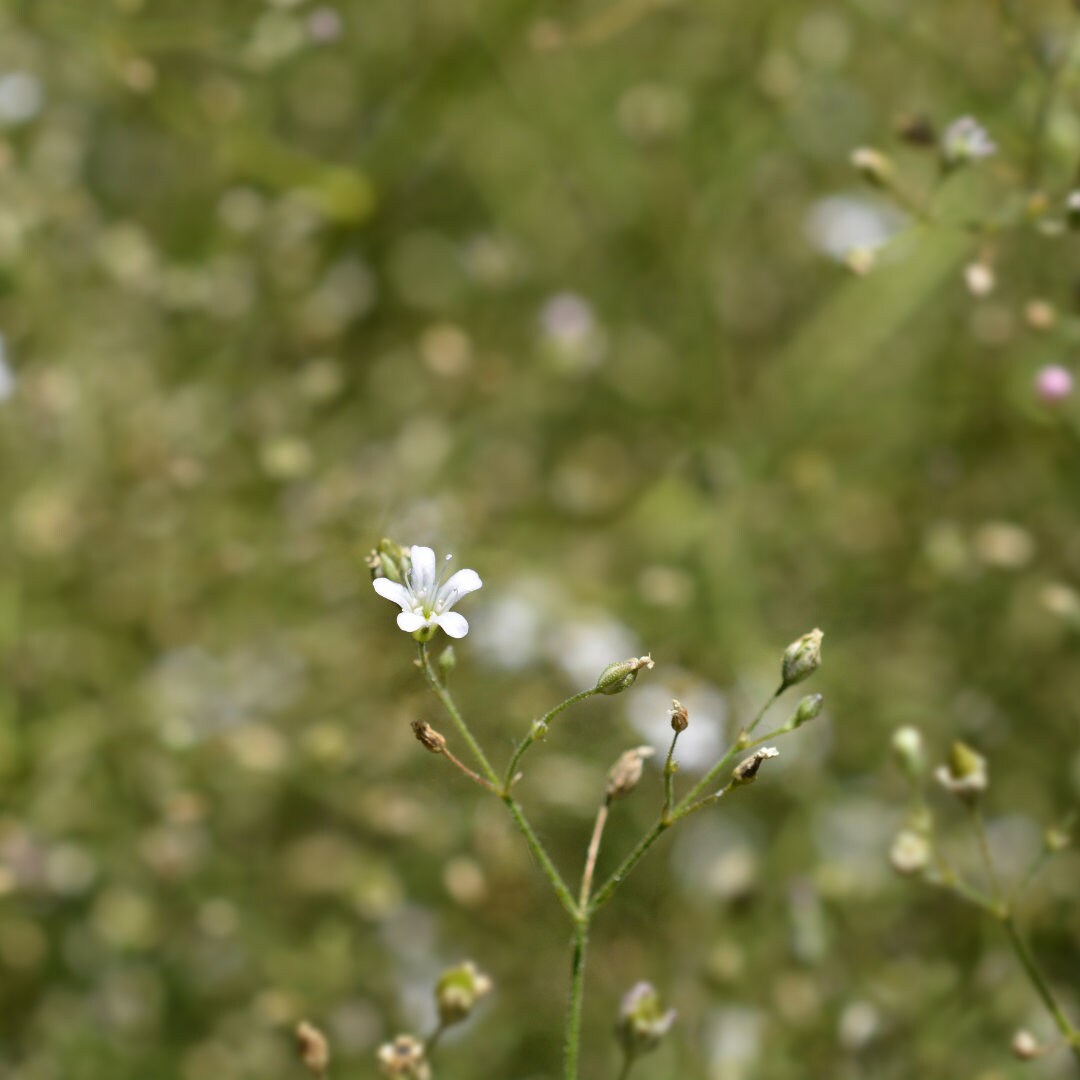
column 965, row 775
column 643, row 1021
column 801, row 659
column 808, row 709
column 447, row 662
column 620, row 676
column 458, row 990
column 388, row 560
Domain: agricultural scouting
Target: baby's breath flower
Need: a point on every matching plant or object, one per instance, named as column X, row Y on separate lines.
column 910, row 852
column 424, row 599
column 966, row 140
column 643, row 1022
column 403, row 1059
column 1025, row 1046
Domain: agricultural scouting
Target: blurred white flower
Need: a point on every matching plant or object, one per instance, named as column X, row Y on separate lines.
column 7, row 376
column 840, row 224
column 21, row 97
column 965, row 139
column 425, row 600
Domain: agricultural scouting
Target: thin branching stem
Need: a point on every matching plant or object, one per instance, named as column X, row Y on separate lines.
column 1041, row 986
column 577, row 997
column 670, row 768
column 592, row 855
column 538, row 731
column 453, row 712
column 516, row 813
column 987, row 859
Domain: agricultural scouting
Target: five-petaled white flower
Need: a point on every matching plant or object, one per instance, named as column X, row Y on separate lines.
column 424, row 599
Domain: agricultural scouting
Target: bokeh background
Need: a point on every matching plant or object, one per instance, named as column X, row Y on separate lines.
column 559, row 288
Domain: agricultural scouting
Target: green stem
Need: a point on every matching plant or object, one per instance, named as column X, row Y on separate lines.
column 541, row 856
column 539, row 730
column 603, row 894
column 447, row 701
column 1042, row 988
column 670, row 768
column 526, row 830
column 577, row 997
column 987, row 858
column 627, row 1065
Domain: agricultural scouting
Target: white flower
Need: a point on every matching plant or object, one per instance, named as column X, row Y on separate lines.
column 424, row 599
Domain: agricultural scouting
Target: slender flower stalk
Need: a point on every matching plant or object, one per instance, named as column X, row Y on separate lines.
column 539, row 730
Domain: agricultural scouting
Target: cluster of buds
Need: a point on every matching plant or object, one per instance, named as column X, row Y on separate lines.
column 458, row 991
column 643, row 1021
column 404, row 1059
column 625, row 774
column 621, row 675
column 389, row 560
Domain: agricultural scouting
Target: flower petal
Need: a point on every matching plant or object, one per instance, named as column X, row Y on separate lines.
column 423, row 569
column 454, row 624
column 410, row 621
column 461, row 583
column 392, row 590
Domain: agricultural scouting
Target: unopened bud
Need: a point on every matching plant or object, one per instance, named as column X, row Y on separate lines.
column 910, row 852
column 403, row 1059
column 916, row 130
column 643, row 1021
column 801, row 659
column 625, row 774
column 746, row 771
column 808, row 709
column 1025, row 1046
column 313, row 1048
column 458, row 990
column 447, row 661
column 389, row 560
column 680, row 718
column 860, row 260
column 620, row 676
column 907, row 746
column 428, row 737
column 872, row 165
column 966, row 774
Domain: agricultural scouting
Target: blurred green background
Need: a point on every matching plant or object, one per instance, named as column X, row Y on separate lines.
column 558, row 288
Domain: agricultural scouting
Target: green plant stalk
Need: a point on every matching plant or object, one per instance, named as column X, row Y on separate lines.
column 603, row 894
column 531, row 839
column 538, row 730
column 577, row 996
column 669, row 780
column 1042, row 988
column 987, row 858
column 447, row 702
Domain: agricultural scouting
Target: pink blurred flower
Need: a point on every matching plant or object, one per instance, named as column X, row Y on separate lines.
column 1053, row 384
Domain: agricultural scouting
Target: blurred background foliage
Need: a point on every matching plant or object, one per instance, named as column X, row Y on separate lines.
column 558, row 288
